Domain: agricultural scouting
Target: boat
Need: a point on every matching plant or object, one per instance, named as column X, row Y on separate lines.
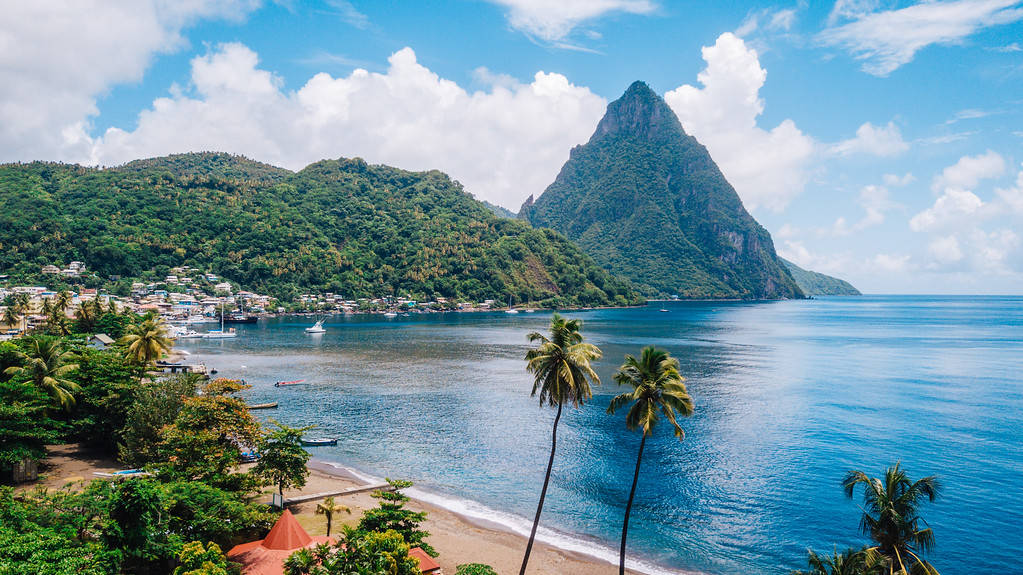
column 220, row 333
column 189, row 334
column 287, row 383
column 241, row 318
column 316, row 327
column 511, row 311
column 318, row 442
column 662, row 310
column 264, row 406
column 390, row 314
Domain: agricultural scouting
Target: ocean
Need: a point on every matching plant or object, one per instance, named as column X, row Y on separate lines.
column 789, row 395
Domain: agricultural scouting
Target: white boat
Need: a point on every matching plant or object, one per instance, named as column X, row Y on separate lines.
column 390, row 314
column 220, row 334
column 316, row 327
column 511, row 311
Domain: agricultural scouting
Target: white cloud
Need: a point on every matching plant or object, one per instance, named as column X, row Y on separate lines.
column 768, row 19
column 886, row 40
column 767, row 167
column 891, row 263
column 945, row 249
column 883, row 141
column 969, row 171
column 895, row 180
column 349, row 13
column 875, row 202
column 555, row 21
column 953, row 207
column 503, row 143
column 58, row 57
column 1012, row 198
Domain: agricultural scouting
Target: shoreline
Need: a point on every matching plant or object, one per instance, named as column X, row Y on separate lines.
column 463, row 531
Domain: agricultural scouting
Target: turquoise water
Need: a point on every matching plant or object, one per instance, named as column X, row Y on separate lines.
column 790, row 396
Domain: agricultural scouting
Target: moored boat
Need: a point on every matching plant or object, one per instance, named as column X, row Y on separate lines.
column 316, row 327
column 318, row 442
column 264, row 406
column 287, row 383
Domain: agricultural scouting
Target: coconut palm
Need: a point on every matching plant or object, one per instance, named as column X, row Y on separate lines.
column 849, row 562
column 328, row 508
column 147, row 341
column 62, row 301
column 46, row 364
column 561, row 374
column 891, row 518
column 10, row 317
column 87, row 315
column 47, row 308
column 658, row 388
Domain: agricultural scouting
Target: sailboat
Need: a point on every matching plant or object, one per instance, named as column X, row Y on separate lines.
column 316, row 327
column 510, row 308
column 220, row 333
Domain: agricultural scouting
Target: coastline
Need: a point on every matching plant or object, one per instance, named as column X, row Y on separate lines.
column 465, row 532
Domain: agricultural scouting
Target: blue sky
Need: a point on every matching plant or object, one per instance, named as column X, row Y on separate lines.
column 878, row 141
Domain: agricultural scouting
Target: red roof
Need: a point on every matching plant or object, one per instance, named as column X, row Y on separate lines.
column 426, row 563
column 266, row 556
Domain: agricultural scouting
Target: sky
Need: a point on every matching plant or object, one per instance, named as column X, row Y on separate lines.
column 879, row 141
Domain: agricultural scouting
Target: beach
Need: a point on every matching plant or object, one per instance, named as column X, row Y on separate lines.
column 457, row 538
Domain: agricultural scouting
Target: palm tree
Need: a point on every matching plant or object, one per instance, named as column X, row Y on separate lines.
column 891, row 519
column 561, row 373
column 87, row 315
column 63, row 301
column 22, row 303
column 46, row 365
column 10, row 317
column 657, row 387
column 146, row 342
column 849, row 562
column 328, row 508
column 47, row 309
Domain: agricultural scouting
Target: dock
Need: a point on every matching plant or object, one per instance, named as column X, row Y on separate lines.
column 326, row 494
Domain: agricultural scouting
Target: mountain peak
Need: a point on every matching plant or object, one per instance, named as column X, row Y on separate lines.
column 640, row 112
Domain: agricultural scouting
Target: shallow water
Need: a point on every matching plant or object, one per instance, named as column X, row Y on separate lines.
column 789, row 395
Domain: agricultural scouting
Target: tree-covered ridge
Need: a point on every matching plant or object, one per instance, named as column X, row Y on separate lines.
column 341, row 226
column 815, row 283
column 649, row 204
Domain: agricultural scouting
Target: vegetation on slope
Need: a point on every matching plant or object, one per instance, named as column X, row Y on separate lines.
column 814, row 283
column 340, row 226
column 648, row 203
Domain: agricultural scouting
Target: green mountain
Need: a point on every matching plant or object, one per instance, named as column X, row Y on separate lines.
column 338, row 225
column 648, row 203
column 499, row 211
column 814, row 283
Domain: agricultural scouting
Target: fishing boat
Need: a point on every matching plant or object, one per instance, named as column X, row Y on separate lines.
column 318, row 442
column 287, row 383
column 316, row 327
column 264, row 406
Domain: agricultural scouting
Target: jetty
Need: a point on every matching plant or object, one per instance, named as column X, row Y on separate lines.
column 325, row 494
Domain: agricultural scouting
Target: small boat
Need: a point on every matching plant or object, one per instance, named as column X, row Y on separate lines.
column 511, row 311
column 662, row 310
column 241, row 318
column 318, row 442
column 390, row 314
column 190, row 334
column 264, row 406
column 220, row 334
column 530, row 311
column 287, row 383
column 316, row 328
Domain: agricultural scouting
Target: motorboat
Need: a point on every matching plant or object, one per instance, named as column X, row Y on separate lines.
column 316, row 327
column 319, row 442
column 287, row 383
column 390, row 314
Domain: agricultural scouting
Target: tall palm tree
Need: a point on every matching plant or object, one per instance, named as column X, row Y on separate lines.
column 328, row 508
column 87, row 315
column 146, row 342
column 23, row 303
column 891, row 518
column 561, row 374
column 46, row 364
column 10, row 317
column 47, row 309
column 657, row 388
column 849, row 562
column 62, row 301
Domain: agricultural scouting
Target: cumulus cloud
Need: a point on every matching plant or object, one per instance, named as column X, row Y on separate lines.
column 875, row 201
column 767, row 167
column 57, row 58
column 882, row 141
column 950, row 208
column 969, row 171
column 1012, row 198
column 888, row 39
column 895, row 180
column 555, row 21
column 503, row 143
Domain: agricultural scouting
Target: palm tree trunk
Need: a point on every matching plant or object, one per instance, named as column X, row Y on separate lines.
column 543, row 492
column 628, row 507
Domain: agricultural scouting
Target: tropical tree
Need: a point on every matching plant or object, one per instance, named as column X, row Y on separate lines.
column 146, row 342
column 849, row 562
column 11, row 316
column 658, row 389
column 392, row 515
column 328, row 508
column 891, row 518
column 47, row 365
column 47, row 308
column 86, row 315
column 62, row 301
column 561, row 374
column 282, row 461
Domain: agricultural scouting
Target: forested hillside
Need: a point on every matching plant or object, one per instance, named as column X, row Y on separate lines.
column 338, row 225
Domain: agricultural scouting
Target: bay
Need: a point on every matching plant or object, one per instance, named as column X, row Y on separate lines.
column 790, row 396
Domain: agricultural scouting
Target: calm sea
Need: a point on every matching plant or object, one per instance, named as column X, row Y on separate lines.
column 789, row 395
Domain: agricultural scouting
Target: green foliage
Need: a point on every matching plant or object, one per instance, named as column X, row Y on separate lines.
column 136, row 529
column 106, row 398
column 47, row 364
column 340, row 225
column 647, row 202
column 153, row 406
column 282, row 461
column 196, row 559
column 474, row 569
column 328, row 508
column 357, row 552
column 391, row 514
column 814, row 283
column 147, row 341
column 25, row 427
column 197, row 511
column 849, row 562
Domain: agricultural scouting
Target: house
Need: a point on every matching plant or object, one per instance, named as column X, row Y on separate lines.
column 101, row 341
column 266, row 556
column 51, row 269
column 426, row 563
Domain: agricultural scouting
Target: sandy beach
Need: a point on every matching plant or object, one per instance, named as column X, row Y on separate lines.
column 456, row 538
